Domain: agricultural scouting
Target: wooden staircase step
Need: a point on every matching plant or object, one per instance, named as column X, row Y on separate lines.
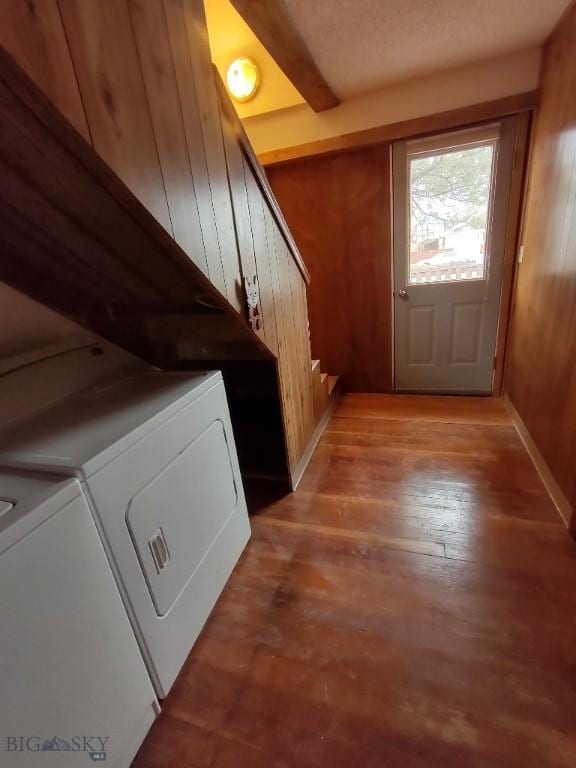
column 324, row 386
column 332, row 381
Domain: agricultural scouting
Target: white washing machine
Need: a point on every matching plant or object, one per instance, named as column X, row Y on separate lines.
column 74, row 684
column 156, row 455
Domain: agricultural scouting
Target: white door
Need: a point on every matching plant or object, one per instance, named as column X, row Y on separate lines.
column 450, row 197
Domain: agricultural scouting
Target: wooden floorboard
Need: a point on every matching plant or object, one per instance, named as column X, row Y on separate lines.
column 411, row 606
column 448, row 409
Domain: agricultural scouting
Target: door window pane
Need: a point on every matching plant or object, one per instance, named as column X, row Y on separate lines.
column 449, row 203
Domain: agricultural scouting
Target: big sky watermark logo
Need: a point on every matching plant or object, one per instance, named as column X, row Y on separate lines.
column 93, row 746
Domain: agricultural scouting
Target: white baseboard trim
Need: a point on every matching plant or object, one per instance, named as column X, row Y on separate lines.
column 554, row 491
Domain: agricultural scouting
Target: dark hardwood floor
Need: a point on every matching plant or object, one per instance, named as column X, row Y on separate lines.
column 412, row 605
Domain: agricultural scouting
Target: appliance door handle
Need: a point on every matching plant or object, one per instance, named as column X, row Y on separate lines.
column 159, row 549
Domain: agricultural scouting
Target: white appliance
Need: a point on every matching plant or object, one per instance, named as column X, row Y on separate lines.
column 74, row 685
column 156, row 455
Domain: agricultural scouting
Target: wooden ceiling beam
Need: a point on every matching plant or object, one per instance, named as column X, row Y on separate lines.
column 272, row 26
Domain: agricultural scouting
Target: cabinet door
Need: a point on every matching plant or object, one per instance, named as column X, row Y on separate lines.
column 194, row 25
column 33, row 34
column 183, row 166
column 106, row 62
column 239, row 196
column 135, row 78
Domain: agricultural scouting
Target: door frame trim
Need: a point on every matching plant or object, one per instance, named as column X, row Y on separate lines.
column 516, row 203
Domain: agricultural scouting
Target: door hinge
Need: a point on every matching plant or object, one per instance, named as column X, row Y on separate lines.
column 494, row 366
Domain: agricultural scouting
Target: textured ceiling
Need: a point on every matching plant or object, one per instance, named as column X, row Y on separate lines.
column 360, row 45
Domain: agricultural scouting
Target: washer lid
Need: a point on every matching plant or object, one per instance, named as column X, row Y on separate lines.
column 27, row 499
column 81, row 434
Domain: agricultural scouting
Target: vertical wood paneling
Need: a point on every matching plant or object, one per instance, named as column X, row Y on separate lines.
column 268, row 250
column 541, row 372
column 338, row 209
column 285, row 372
column 32, row 32
column 144, row 77
column 151, row 33
column 199, row 48
column 286, row 358
column 193, row 130
column 237, row 190
column 303, row 355
column 263, row 258
column 298, row 396
column 106, row 63
column 265, row 251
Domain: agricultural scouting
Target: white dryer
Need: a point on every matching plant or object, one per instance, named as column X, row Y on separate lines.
column 156, row 455
column 74, row 684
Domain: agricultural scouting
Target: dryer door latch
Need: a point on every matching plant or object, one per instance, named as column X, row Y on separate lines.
column 159, row 550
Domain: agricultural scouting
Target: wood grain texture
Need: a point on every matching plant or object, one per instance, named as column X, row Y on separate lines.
column 106, row 62
column 242, row 219
column 154, row 53
column 267, row 252
column 142, row 70
column 489, row 411
column 541, row 370
column 556, row 494
column 417, row 126
column 262, row 256
column 338, row 209
column 273, row 27
column 194, row 23
column 145, row 74
column 232, row 120
column 32, row 32
column 300, row 345
column 297, row 392
column 75, row 238
column 334, row 644
column 188, row 99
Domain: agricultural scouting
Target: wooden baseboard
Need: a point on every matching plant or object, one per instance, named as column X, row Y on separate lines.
column 555, row 492
column 317, row 434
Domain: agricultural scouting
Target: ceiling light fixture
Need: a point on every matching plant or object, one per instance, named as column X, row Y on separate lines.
column 243, row 79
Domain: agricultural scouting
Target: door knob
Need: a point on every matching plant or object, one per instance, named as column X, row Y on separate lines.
column 403, row 293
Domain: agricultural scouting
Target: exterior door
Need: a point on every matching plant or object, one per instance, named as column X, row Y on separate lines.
column 450, row 213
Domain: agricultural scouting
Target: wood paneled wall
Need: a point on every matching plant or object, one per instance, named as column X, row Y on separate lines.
column 541, row 369
column 265, row 254
column 134, row 78
column 338, row 209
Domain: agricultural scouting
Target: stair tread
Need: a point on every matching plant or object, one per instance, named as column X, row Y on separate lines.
column 332, row 381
